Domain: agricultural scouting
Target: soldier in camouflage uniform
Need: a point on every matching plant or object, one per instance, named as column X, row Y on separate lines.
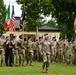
column 29, row 53
column 2, row 50
column 60, row 50
column 65, row 43
column 21, row 51
column 17, row 53
column 15, row 50
column 35, row 48
column 46, row 49
column 74, row 53
column 69, row 54
column 53, row 49
column 39, row 47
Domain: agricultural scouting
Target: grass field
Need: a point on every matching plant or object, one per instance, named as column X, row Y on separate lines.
column 55, row 69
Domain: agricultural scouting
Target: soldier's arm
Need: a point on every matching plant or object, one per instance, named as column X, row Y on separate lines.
column 42, row 49
column 73, row 49
column 22, row 45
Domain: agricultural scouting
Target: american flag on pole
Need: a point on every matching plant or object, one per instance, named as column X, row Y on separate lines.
column 13, row 21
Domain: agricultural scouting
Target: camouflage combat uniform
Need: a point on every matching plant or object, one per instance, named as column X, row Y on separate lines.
column 39, row 47
column 60, row 51
column 69, row 53
column 74, row 54
column 53, row 50
column 46, row 48
column 29, row 53
column 21, row 52
column 35, row 48
column 16, row 52
column 2, row 52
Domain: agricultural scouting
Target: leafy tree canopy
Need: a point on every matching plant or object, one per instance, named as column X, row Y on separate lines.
column 2, row 15
column 65, row 13
column 52, row 23
column 34, row 9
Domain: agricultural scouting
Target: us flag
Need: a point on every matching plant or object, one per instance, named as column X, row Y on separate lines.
column 13, row 21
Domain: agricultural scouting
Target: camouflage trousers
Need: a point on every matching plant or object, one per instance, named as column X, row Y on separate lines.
column 2, row 56
column 68, row 58
column 13, row 52
column 21, row 57
column 29, row 57
column 17, row 56
column 53, row 55
column 74, row 59
column 46, row 60
column 36, row 55
column 60, row 55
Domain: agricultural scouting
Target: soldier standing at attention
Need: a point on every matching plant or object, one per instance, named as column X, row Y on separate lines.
column 60, row 50
column 2, row 50
column 46, row 49
column 65, row 43
column 21, row 51
column 23, row 47
column 17, row 53
column 74, row 53
column 8, row 52
column 53, row 48
column 69, row 54
column 29, row 53
column 35, row 49
column 13, row 50
column 39, row 47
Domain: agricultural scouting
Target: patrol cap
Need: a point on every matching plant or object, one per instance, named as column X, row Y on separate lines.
column 14, row 36
column 45, row 34
column 29, row 37
column 20, row 36
column 54, row 37
column 60, row 38
column 40, row 37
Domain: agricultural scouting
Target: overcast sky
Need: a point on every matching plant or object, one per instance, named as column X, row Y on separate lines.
column 17, row 8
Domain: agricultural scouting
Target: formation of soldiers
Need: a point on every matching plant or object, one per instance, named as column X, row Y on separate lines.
column 46, row 50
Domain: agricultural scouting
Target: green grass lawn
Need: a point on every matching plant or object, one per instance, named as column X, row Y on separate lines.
column 55, row 69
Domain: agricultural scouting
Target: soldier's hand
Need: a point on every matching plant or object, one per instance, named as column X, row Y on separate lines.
column 7, row 42
column 10, row 46
column 41, row 54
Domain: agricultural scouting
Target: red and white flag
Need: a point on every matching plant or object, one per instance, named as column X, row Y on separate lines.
column 13, row 21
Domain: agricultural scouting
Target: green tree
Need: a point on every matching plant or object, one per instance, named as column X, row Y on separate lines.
column 34, row 9
column 65, row 13
column 2, row 15
column 51, row 23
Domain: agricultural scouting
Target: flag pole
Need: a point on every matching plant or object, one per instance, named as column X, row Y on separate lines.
column 15, row 22
column 12, row 22
column 23, row 20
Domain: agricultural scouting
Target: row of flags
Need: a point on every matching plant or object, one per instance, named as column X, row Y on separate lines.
column 7, row 20
column 11, row 22
column 22, row 19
